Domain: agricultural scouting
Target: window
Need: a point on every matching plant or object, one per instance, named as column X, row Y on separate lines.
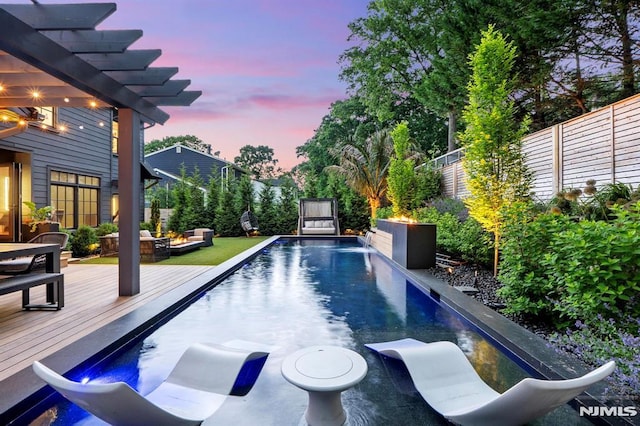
column 114, row 136
column 50, row 117
column 75, row 199
column 115, row 207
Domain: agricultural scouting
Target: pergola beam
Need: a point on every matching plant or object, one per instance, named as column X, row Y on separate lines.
column 169, row 88
column 184, row 98
column 130, row 60
column 149, row 77
column 43, row 17
column 90, row 41
column 28, row 45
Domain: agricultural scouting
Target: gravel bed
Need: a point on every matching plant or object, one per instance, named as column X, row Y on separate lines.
column 486, row 285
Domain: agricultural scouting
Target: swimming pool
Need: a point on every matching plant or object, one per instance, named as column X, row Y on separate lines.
column 299, row 293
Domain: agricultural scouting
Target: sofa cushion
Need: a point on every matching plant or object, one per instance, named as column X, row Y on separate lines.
column 146, row 234
column 199, row 232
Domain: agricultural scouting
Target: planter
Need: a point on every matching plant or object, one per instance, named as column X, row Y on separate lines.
column 29, row 231
column 412, row 245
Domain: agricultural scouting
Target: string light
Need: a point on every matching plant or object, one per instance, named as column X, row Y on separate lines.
column 35, row 94
column 93, row 104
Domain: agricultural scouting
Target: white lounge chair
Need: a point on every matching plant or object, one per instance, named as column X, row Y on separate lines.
column 196, row 387
column 446, row 380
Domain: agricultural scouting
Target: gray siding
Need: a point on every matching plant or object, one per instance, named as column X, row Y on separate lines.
column 85, row 150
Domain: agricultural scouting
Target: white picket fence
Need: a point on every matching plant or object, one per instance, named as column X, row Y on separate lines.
column 603, row 145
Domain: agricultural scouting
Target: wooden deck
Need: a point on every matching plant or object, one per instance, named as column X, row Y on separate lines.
column 91, row 301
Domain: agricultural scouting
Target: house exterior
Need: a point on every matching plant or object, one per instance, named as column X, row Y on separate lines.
column 168, row 162
column 69, row 161
column 52, row 56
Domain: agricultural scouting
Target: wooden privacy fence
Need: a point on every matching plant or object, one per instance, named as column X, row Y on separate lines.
column 603, row 145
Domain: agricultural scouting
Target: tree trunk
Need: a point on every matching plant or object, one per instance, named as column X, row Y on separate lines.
column 374, row 203
column 628, row 77
column 496, row 252
column 453, row 128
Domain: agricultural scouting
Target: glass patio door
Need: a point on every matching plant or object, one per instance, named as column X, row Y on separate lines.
column 10, row 201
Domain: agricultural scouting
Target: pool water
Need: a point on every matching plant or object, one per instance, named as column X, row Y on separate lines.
column 302, row 293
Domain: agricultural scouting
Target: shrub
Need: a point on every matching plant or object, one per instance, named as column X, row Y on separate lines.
column 146, row 226
column 527, row 288
column 563, row 270
column 462, row 238
column 106, row 228
column 384, row 212
column 83, row 241
column 595, row 266
column 428, row 185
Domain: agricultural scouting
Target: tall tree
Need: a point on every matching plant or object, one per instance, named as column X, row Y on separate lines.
column 494, row 163
column 612, row 36
column 398, row 49
column 268, row 215
column 287, row 207
column 195, row 201
column 258, row 160
column 178, row 215
column 346, row 122
column 365, row 167
column 245, row 195
column 402, row 178
column 190, row 141
column 228, row 215
column 212, row 201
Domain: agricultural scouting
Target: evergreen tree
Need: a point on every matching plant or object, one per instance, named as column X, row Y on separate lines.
column 195, row 201
column 287, row 208
column 227, row 222
column 245, row 196
column 212, row 201
column 177, row 221
column 267, row 217
column 156, row 225
column 353, row 209
column 402, row 178
column 494, row 163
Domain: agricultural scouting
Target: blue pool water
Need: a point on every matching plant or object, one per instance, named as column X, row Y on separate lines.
column 303, row 293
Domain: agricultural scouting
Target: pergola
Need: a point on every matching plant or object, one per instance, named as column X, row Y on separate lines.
column 58, row 49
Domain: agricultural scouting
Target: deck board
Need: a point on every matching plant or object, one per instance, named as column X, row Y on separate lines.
column 91, row 301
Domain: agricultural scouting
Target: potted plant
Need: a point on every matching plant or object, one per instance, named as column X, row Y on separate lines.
column 40, row 221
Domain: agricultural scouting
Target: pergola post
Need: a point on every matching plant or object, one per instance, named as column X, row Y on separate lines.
column 129, row 196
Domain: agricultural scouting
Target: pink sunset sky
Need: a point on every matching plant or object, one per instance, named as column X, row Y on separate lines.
column 267, row 68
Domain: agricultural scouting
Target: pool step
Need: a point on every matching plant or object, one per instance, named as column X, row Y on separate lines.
column 445, row 261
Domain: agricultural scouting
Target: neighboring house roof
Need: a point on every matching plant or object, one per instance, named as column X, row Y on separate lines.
column 170, row 160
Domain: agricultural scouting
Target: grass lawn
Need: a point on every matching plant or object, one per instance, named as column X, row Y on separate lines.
column 223, row 248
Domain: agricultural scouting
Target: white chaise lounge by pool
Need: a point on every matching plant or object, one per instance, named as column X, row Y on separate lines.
column 447, row 381
column 203, row 378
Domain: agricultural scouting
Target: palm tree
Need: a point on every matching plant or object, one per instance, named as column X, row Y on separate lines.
column 365, row 166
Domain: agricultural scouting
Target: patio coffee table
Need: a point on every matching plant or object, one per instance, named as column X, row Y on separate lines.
column 324, row 372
